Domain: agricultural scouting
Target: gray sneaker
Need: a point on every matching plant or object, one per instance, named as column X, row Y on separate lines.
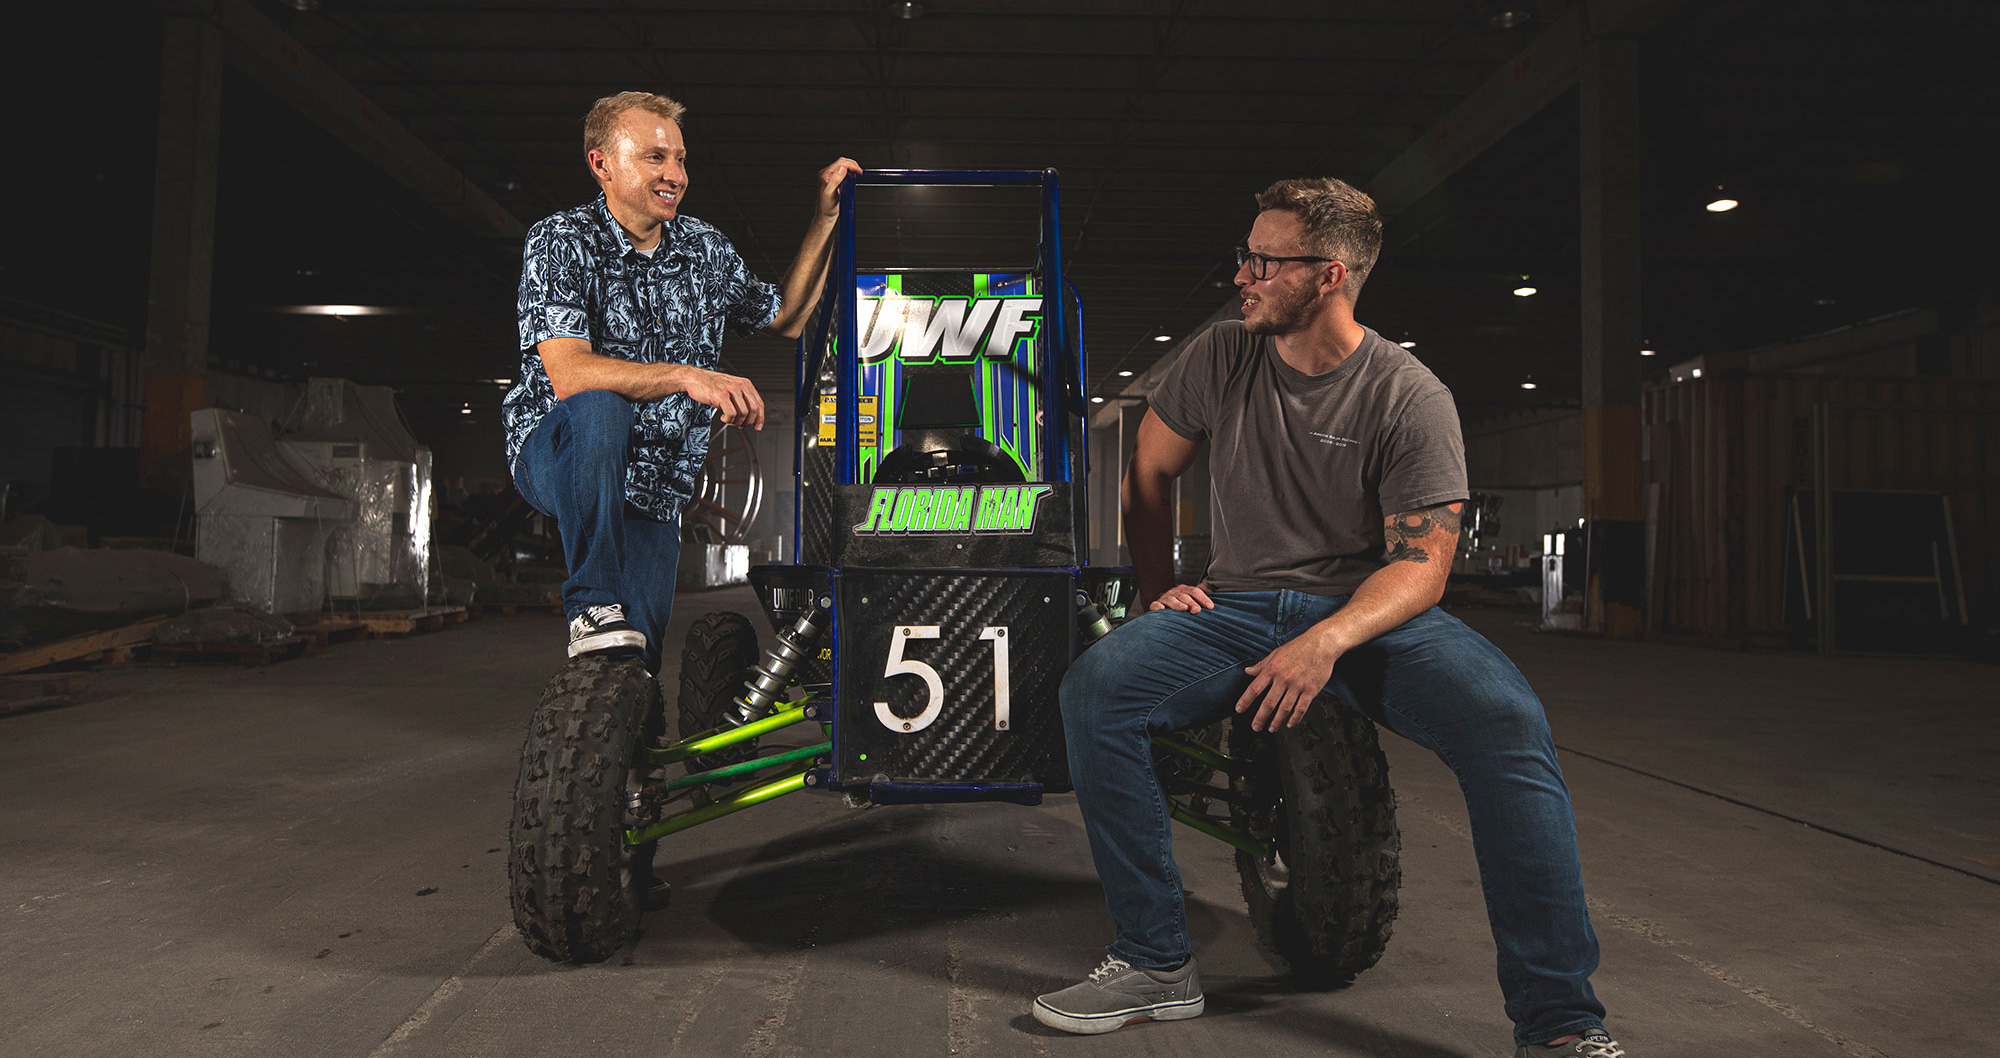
column 1118, row 994
column 1594, row 1044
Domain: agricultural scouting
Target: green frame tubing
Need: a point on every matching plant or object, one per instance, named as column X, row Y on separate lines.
column 723, row 738
column 1181, row 812
column 795, row 712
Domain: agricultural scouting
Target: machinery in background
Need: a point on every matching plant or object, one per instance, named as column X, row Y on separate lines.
column 353, row 442
column 260, row 517
column 337, row 509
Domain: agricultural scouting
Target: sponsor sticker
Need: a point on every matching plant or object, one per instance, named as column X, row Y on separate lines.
column 977, row 509
column 870, row 429
column 952, row 330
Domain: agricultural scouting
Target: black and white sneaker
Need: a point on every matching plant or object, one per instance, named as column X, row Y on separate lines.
column 602, row 628
column 1593, row 1044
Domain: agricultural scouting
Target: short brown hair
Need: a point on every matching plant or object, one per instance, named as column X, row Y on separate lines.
column 605, row 113
column 1339, row 220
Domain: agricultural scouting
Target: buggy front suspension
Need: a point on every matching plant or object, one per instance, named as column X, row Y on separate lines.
column 1188, row 800
column 722, row 738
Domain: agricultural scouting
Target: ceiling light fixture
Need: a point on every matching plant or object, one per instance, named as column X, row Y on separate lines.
column 1097, row 400
column 1163, row 337
column 1646, row 348
column 1647, row 352
column 335, row 310
column 1528, row 383
column 1525, row 290
column 906, row 9
column 1721, row 203
column 1696, row 372
column 1124, row 374
column 1510, row 17
column 1407, row 344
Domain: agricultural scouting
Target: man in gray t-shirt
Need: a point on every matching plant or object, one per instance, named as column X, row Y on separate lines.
column 1304, row 466
column 1338, row 482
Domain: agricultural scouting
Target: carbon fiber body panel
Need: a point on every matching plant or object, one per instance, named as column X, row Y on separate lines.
column 816, row 499
column 974, row 612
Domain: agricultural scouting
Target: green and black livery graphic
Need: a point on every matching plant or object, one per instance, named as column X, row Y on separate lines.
column 977, row 509
column 985, row 328
column 981, row 526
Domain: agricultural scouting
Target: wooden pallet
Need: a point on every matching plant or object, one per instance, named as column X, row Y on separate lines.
column 380, row 623
column 117, row 644
column 252, row 654
column 326, row 635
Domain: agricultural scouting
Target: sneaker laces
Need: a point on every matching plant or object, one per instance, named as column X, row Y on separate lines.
column 1593, row 1048
column 603, row 615
column 1114, row 965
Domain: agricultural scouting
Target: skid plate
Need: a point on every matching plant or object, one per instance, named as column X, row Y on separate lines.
column 958, row 624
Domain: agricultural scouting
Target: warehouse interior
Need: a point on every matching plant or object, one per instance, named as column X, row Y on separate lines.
column 1709, row 282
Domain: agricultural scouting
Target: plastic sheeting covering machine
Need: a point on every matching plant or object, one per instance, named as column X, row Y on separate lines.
column 258, row 517
column 354, row 440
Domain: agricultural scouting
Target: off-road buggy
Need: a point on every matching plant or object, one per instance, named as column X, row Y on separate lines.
column 939, row 588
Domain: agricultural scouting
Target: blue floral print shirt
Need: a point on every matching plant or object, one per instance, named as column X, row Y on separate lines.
column 581, row 278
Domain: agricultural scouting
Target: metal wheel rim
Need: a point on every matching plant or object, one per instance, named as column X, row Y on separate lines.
column 729, row 491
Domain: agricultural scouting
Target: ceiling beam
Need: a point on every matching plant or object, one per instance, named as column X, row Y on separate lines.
column 1549, row 66
column 1545, row 69
column 276, row 61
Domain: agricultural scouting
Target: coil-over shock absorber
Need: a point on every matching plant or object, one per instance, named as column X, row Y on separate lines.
column 774, row 673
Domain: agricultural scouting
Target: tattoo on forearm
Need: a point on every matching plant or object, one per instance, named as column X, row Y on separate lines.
column 1400, row 532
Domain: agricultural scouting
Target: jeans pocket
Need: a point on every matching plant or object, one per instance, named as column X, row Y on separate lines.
column 523, row 483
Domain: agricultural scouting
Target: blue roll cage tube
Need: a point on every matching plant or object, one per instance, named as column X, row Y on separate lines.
column 1065, row 396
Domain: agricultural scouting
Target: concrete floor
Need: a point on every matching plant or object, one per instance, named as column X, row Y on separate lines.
column 308, row 860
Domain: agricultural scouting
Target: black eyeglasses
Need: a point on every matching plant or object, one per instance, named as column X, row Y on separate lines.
column 1260, row 264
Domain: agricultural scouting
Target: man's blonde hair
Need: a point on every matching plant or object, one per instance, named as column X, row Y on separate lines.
column 605, row 113
column 1339, row 221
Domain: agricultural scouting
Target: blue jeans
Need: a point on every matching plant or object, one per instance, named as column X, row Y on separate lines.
column 1433, row 681
column 572, row 468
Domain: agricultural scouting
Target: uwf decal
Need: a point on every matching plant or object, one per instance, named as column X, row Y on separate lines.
column 955, row 330
column 953, row 509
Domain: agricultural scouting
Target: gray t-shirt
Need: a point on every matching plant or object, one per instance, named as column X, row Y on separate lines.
column 1303, row 468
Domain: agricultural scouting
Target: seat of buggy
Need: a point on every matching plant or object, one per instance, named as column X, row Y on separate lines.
column 940, row 443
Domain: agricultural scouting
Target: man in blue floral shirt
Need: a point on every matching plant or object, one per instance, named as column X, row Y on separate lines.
column 622, row 307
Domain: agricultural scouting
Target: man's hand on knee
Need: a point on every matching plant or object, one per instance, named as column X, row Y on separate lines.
column 1192, row 598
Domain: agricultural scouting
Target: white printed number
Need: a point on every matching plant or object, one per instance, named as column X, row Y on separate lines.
column 898, row 665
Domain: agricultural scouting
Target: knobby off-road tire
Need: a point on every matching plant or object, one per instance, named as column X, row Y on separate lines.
column 720, row 654
column 578, row 891
column 1325, row 909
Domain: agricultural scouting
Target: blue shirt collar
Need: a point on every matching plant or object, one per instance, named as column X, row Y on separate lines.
column 668, row 231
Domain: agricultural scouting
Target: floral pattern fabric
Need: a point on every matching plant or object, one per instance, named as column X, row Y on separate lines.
column 581, row 278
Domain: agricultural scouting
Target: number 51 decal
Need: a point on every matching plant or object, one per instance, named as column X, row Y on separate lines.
column 934, row 686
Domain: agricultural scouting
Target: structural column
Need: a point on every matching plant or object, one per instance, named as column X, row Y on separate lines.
column 1609, row 83
column 177, row 298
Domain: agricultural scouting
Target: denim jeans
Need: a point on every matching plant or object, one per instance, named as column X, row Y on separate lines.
column 1433, row 681
column 572, row 468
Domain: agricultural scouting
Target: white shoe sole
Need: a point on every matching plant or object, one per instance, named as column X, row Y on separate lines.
column 1096, row 1024
column 592, row 644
